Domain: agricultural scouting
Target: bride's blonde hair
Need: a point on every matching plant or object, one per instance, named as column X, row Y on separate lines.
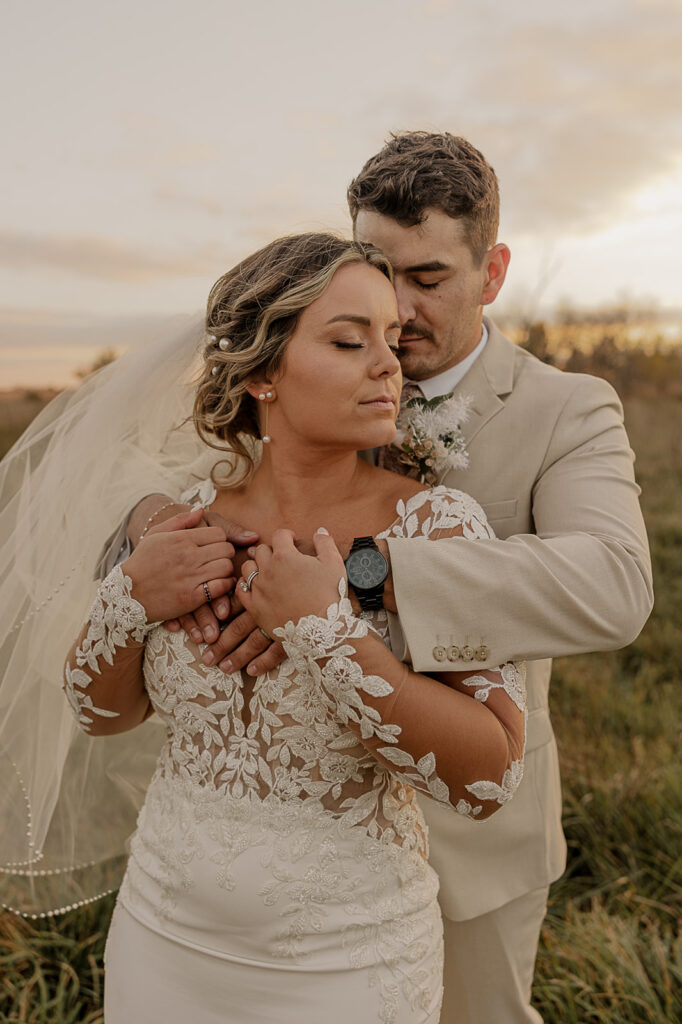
column 252, row 312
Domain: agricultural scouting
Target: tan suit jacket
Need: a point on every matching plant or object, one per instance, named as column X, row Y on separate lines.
column 551, row 465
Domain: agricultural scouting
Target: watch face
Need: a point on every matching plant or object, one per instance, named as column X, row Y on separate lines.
column 366, row 568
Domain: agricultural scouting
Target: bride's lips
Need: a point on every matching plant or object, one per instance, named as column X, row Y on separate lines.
column 385, row 402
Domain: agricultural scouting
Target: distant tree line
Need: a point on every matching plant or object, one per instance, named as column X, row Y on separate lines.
column 648, row 368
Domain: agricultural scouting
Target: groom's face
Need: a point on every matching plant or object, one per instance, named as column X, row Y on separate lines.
column 440, row 288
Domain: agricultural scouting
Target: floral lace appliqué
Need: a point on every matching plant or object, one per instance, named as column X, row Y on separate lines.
column 114, row 618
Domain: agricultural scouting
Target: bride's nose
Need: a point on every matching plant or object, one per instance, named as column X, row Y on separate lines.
column 387, row 365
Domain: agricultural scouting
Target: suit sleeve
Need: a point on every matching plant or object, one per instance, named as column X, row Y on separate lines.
column 580, row 583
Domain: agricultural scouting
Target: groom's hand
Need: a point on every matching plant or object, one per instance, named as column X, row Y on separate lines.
column 203, row 625
column 242, row 645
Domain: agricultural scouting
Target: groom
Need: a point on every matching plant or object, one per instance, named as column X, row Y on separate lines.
column 550, row 463
column 570, row 572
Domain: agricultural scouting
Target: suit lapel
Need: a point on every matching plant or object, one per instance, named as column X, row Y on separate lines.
column 491, row 377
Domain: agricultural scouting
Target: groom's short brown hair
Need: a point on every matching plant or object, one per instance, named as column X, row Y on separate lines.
column 418, row 170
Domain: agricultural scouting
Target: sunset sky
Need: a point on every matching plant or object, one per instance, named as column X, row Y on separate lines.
column 147, row 146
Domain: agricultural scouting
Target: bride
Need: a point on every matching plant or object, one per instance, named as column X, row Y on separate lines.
column 279, row 866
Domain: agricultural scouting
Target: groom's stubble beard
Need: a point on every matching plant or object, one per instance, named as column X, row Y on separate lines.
column 429, row 357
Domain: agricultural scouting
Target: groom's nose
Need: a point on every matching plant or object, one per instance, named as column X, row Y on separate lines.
column 405, row 297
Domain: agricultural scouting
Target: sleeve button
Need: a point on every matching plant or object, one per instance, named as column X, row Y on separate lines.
column 439, row 653
column 454, row 653
column 467, row 653
column 482, row 653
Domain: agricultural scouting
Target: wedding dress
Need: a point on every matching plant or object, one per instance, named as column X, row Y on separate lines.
column 279, row 869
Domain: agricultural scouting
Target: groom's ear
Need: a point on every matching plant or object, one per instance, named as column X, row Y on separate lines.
column 495, row 261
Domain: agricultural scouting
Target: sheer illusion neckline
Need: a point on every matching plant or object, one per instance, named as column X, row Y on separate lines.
column 204, row 493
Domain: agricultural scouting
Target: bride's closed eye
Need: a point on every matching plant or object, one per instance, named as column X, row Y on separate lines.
column 395, row 349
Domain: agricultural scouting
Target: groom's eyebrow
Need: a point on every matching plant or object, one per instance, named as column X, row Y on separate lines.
column 427, row 268
column 363, row 320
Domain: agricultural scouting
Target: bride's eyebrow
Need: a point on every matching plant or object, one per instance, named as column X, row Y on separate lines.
column 363, row 320
column 353, row 319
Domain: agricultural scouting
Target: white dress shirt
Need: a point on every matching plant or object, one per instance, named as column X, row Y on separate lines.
column 445, row 382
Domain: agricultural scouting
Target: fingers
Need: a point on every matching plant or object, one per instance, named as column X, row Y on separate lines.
column 191, row 627
column 224, row 650
column 221, row 606
column 234, row 532
column 217, row 569
column 209, row 535
column 271, row 657
column 244, row 587
column 283, row 540
column 185, row 520
column 203, row 625
column 262, row 557
column 207, row 623
column 325, row 547
column 214, row 553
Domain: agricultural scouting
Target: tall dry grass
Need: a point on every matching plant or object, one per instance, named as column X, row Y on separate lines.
column 610, row 949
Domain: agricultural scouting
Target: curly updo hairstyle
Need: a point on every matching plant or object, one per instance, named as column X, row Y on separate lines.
column 252, row 312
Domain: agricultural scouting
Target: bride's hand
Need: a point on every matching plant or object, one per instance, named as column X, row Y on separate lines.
column 178, row 565
column 289, row 584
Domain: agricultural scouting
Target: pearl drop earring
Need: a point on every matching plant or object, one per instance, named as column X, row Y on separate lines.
column 263, row 397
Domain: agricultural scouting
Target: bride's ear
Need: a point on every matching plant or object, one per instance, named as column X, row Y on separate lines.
column 261, row 389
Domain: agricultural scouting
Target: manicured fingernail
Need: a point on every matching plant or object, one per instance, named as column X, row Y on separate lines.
column 196, row 636
column 322, row 530
column 226, row 665
column 208, row 657
column 252, row 670
column 210, row 633
column 251, row 552
column 222, row 609
column 247, row 535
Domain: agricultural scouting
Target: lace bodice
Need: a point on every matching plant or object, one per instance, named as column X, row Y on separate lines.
column 296, row 732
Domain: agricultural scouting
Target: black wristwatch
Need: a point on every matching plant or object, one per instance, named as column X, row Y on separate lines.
column 367, row 572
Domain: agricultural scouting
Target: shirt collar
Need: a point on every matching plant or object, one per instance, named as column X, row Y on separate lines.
column 445, row 382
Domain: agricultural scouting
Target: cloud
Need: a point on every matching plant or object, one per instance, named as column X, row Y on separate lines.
column 21, row 325
column 102, row 257
column 575, row 117
column 176, row 197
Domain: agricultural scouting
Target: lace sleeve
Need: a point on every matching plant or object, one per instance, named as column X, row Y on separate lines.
column 450, row 743
column 105, row 663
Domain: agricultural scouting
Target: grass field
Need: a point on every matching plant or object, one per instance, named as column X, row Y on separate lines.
column 611, row 949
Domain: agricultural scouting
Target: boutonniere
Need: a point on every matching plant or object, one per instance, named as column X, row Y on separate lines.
column 432, row 439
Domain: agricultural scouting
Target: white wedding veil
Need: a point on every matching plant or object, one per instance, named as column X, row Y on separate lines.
column 69, row 801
